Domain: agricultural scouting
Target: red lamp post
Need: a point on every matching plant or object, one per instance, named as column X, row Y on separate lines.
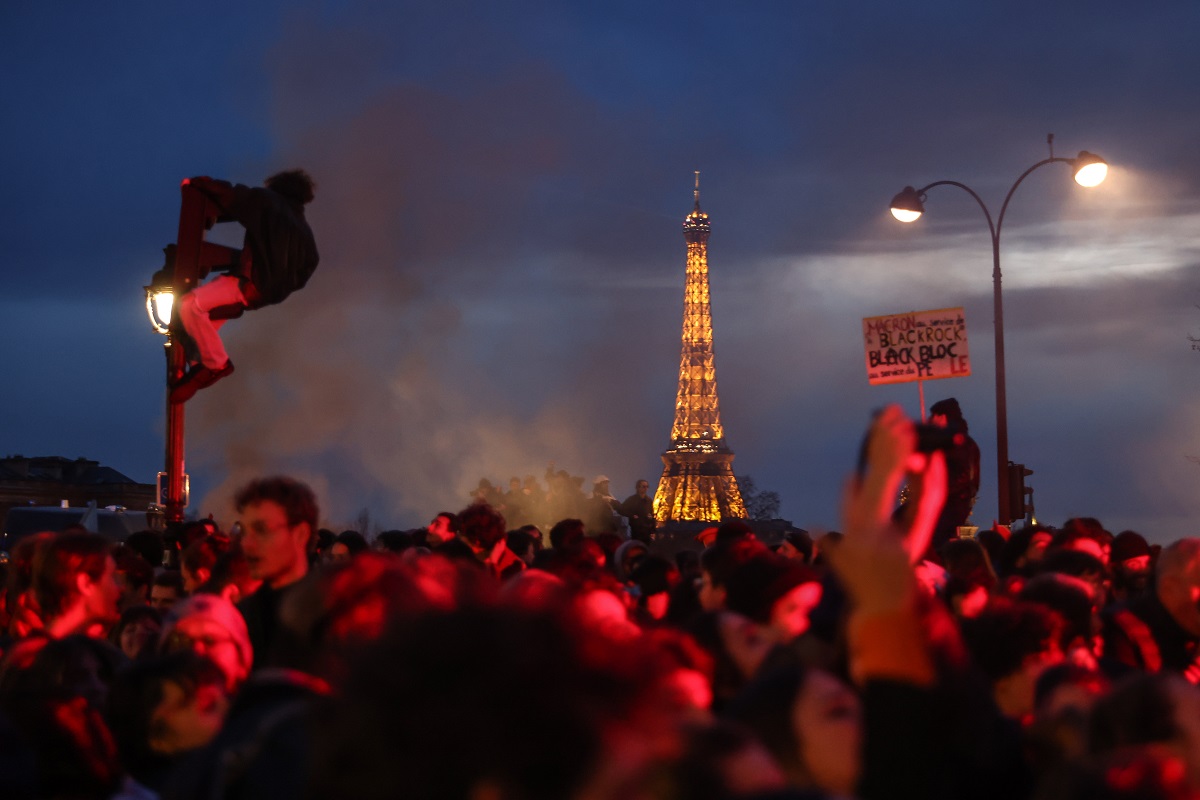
column 188, row 261
column 160, row 300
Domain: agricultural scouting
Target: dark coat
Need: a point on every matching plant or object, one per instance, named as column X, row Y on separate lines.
column 282, row 247
column 264, row 748
column 640, row 512
column 1145, row 635
column 283, row 252
column 261, row 612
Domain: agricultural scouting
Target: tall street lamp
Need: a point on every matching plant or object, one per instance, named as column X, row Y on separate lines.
column 908, row 206
column 160, row 300
column 188, row 261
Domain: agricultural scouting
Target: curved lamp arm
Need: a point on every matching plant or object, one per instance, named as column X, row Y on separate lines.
column 994, row 229
column 1025, row 174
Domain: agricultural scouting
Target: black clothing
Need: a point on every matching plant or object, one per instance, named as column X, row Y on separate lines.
column 261, row 612
column 640, row 513
column 264, row 748
column 962, row 485
column 282, row 247
column 457, row 550
column 962, row 474
column 1144, row 635
column 900, row 758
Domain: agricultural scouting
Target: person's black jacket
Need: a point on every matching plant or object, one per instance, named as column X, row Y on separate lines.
column 1144, row 635
column 261, row 612
column 264, row 748
column 280, row 241
column 640, row 513
column 282, row 247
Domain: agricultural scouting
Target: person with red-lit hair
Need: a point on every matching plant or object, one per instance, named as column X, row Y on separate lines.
column 134, row 576
column 482, row 533
column 211, row 626
column 1012, row 643
column 1161, row 629
column 56, row 743
column 775, row 592
column 811, row 722
column 1160, row 712
column 1131, row 563
column 441, row 529
column 24, row 613
column 160, row 710
column 198, row 559
column 720, row 561
column 76, row 586
column 279, row 523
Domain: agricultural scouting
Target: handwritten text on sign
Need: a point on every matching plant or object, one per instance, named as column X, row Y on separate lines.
column 917, row 346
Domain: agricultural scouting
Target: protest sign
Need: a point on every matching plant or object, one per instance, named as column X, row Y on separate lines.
column 917, row 346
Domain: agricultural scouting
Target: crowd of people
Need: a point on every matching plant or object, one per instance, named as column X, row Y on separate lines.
column 475, row 658
column 528, row 503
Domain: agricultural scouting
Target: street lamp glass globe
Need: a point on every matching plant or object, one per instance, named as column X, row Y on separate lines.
column 906, row 214
column 164, row 302
column 908, row 205
column 159, row 304
column 1090, row 169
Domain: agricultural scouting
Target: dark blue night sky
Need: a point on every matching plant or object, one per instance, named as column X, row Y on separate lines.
column 501, row 188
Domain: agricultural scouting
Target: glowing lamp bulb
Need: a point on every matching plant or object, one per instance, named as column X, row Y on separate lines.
column 1090, row 169
column 908, row 206
column 159, row 304
column 906, row 214
column 164, row 302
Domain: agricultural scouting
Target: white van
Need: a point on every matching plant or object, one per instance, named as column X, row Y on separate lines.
column 112, row 522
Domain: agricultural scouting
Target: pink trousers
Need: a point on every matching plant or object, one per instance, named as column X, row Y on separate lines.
column 193, row 312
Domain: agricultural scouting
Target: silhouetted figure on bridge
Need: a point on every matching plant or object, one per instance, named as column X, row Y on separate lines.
column 962, row 470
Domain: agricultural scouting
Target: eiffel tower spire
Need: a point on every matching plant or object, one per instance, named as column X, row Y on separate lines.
column 697, row 483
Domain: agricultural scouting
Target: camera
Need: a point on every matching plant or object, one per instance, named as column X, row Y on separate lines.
column 930, row 439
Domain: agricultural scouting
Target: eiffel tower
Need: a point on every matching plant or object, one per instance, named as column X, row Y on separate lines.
column 697, row 482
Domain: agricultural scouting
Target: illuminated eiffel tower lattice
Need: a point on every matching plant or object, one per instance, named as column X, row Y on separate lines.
column 697, row 483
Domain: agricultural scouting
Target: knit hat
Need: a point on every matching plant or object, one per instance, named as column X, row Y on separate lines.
column 753, row 587
column 628, row 552
column 1127, row 545
column 799, row 539
column 655, row 574
column 949, row 407
column 217, row 610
